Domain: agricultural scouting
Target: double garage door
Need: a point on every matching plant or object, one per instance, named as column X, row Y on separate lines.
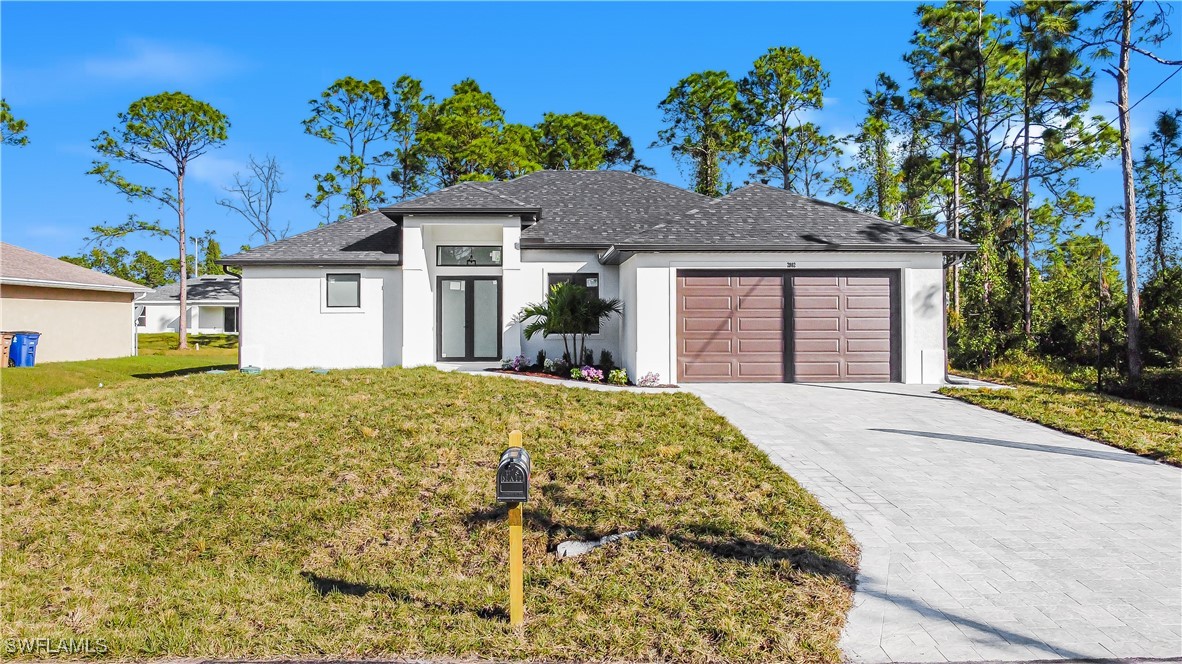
column 788, row 326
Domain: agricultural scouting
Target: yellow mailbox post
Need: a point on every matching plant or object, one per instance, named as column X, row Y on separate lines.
column 513, row 473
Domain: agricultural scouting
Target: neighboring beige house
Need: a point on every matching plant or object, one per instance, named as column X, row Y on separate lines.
column 81, row 314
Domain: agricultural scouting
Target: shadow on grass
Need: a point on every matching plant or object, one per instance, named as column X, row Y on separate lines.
column 325, row 586
column 712, row 540
column 187, row 371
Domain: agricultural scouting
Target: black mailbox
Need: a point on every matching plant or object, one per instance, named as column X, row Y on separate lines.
column 513, row 476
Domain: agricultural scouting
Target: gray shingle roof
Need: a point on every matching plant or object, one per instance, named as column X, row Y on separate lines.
column 368, row 239
column 21, row 266
column 759, row 216
column 212, row 288
column 604, row 209
column 463, row 196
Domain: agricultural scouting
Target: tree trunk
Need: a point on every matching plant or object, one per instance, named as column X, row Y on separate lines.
column 1027, row 307
column 956, row 205
column 1132, row 292
column 182, row 320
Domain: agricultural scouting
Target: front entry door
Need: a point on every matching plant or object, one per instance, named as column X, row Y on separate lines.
column 468, row 321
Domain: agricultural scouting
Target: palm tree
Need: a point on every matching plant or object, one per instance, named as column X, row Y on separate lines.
column 571, row 311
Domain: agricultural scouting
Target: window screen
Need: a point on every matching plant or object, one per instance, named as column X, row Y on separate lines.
column 344, row 290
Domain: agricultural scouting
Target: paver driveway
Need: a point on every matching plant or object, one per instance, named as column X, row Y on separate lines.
column 983, row 536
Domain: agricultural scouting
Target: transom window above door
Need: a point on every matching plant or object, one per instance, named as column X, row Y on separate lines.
column 468, row 255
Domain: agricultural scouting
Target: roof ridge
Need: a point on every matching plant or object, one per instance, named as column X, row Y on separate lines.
column 646, row 178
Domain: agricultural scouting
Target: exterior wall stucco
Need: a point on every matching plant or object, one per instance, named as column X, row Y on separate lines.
column 74, row 324
column 287, row 325
column 651, row 334
column 421, row 236
column 537, row 266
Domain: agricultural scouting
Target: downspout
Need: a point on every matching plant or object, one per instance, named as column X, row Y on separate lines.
column 950, row 261
column 241, row 301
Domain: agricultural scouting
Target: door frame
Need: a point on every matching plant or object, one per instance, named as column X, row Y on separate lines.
column 469, row 315
column 894, row 276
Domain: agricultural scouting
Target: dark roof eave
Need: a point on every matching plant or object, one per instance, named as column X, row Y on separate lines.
column 616, row 254
column 393, row 212
column 309, row 261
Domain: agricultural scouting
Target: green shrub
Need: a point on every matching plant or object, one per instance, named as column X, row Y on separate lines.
column 541, row 359
column 1161, row 321
column 606, row 361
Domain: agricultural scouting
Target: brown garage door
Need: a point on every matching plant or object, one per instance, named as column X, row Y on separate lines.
column 842, row 328
column 730, row 328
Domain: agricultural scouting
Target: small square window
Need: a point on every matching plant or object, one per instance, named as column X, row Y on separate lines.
column 344, row 290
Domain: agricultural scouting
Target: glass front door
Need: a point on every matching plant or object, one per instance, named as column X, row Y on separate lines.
column 469, row 319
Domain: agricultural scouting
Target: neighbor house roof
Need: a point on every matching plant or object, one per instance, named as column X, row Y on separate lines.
column 367, row 239
column 21, row 267
column 623, row 212
column 213, row 288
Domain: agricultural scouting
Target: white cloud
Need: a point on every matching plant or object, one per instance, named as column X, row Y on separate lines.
column 133, row 62
column 148, row 60
column 214, row 170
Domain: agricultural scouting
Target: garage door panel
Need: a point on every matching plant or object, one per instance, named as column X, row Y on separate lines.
column 818, row 345
column 706, row 324
column 761, row 304
column 743, row 338
column 771, row 345
column 866, row 324
column 699, row 346
column 829, row 323
column 842, row 328
column 706, row 303
column 798, row 282
column 812, row 303
column 771, row 370
column 707, row 371
column 873, row 302
column 872, row 345
column 868, row 370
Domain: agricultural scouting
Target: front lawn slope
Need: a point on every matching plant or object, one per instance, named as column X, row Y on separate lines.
column 351, row 514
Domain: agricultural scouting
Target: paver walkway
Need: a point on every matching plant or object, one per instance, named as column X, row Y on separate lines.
column 983, row 537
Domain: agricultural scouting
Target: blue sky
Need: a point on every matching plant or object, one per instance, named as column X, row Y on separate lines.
column 70, row 68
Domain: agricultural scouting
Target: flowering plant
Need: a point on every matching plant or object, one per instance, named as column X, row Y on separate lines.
column 650, row 379
column 576, row 373
column 550, row 366
column 618, row 377
column 516, row 364
column 591, row 374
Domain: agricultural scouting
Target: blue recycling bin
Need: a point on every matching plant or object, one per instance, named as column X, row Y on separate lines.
column 24, row 349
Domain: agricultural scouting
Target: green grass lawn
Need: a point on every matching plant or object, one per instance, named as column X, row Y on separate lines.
column 165, row 342
column 351, row 514
column 1061, row 400
column 158, row 358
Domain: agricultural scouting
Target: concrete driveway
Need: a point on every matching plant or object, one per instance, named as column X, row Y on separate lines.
column 983, row 537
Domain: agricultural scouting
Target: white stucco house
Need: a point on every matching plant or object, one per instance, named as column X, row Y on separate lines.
column 758, row 285
column 212, row 307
